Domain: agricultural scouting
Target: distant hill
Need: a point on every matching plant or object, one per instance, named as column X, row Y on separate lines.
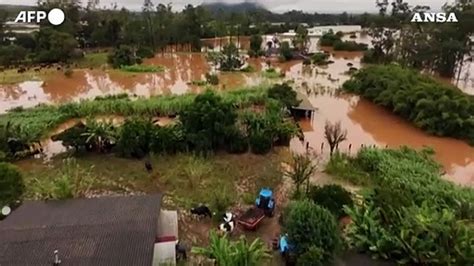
column 237, row 8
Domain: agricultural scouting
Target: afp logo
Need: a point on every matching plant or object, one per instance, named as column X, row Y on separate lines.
column 434, row 17
column 55, row 16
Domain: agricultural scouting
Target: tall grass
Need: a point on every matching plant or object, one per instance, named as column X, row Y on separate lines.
column 39, row 120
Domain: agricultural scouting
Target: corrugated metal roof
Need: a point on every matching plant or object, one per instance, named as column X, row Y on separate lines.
column 103, row 231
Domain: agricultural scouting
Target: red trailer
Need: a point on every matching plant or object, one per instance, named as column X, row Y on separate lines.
column 251, row 218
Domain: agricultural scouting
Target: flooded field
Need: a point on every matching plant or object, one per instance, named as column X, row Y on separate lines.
column 367, row 124
column 181, row 70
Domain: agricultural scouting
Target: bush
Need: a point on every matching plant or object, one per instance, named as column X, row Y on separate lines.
column 260, row 143
column 312, row 257
column 285, row 94
column 145, row 52
column 123, row 56
column 236, row 142
column 310, row 227
column 286, row 53
column 320, row 58
column 212, row 79
column 168, row 139
column 207, row 120
column 135, row 138
column 349, row 46
column 11, row 184
column 331, row 197
column 329, row 39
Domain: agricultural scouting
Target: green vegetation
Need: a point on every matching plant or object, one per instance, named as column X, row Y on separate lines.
column 93, row 60
column 438, row 108
column 123, row 56
column 442, row 49
column 185, row 178
column 311, row 228
column 334, row 40
column 38, row 121
column 410, row 214
column 238, row 253
column 331, row 197
column 255, row 46
column 286, row 53
column 11, row 184
column 271, row 73
column 142, row 68
column 320, row 59
column 227, row 60
column 349, row 46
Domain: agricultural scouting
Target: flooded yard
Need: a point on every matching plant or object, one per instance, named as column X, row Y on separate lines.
column 367, row 124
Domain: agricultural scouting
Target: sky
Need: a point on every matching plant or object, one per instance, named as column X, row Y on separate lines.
column 329, row 6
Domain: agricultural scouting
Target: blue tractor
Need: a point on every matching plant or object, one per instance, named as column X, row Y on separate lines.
column 266, row 202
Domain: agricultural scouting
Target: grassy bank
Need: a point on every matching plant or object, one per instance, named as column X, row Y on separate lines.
column 93, row 60
column 11, row 76
column 186, row 179
column 38, row 121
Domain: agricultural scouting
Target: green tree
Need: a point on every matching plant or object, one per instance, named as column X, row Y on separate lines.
column 123, row 56
column 285, row 94
column 207, row 120
column 301, row 39
column 11, row 184
column 12, row 54
column 285, row 51
column 54, row 46
column 310, row 227
column 255, row 45
column 135, row 138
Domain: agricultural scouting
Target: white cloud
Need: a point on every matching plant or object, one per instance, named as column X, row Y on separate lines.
column 332, row 6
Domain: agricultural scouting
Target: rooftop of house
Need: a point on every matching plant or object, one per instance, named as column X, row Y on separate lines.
column 101, row 231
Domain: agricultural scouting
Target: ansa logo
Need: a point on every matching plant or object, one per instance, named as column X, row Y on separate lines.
column 434, row 17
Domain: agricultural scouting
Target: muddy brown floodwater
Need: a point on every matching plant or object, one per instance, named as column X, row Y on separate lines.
column 181, row 70
column 366, row 123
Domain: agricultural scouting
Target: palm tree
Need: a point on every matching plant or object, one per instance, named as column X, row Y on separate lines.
column 99, row 134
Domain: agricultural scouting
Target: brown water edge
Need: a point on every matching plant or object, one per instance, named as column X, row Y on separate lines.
column 367, row 123
column 181, row 70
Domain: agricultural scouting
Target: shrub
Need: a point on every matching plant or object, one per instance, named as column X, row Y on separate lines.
column 285, row 94
column 329, row 39
column 331, row 197
column 145, row 52
column 260, row 143
column 312, row 257
column 123, row 56
column 207, row 120
column 311, row 227
column 11, row 184
column 168, row 139
column 349, row 46
column 135, row 137
column 212, row 79
column 236, row 142
column 320, row 58
column 286, row 53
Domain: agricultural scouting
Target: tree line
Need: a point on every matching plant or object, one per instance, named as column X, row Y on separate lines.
column 441, row 48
